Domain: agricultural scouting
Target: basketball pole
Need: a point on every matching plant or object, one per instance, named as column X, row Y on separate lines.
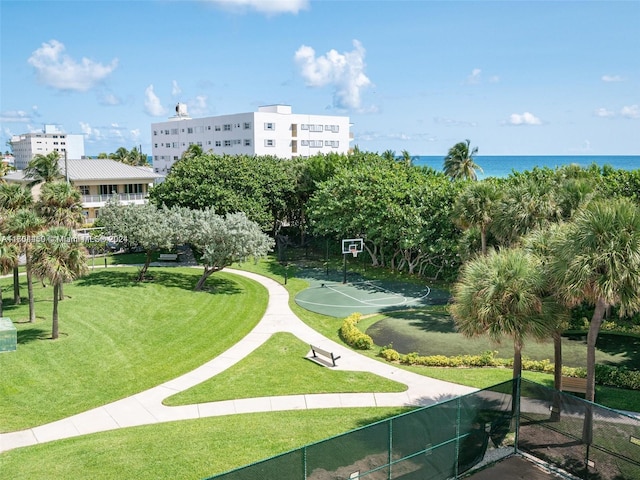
column 344, row 268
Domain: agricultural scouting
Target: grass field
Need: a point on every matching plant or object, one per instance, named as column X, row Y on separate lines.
column 118, row 337
column 281, row 364
column 198, row 448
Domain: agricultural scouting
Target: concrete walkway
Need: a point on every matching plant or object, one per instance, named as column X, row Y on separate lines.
column 146, row 407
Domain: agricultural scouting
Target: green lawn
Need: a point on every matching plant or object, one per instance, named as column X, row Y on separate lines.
column 118, row 337
column 192, row 449
column 198, row 448
column 279, row 367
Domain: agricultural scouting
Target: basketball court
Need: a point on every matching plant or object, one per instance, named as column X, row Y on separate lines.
column 341, row 295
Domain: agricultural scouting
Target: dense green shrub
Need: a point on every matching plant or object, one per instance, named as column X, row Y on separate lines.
column 352, row 335
column 611, row 376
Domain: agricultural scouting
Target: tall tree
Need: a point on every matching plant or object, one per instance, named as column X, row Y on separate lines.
column 145, row 226
column 502, row 294
column 193, row 150
column 8, row 261
column 224, row 240
column 595, row 259
column 459, row 163
column 24, row 224
column 59, row 260
column 475, row 206
column 44, row 168
column 13, row 196
column 60, row 204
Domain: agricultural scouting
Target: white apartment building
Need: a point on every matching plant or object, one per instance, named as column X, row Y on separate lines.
column 51, row 139
column 272, row 130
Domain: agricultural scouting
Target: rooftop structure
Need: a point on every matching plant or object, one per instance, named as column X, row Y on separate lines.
column 272, row 130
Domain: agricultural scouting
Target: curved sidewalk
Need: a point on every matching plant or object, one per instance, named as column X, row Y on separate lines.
column 146, row 407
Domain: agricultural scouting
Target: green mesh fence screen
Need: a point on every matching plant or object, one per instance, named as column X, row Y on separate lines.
column 446, row 440
column 587, row 440
column 431, row 443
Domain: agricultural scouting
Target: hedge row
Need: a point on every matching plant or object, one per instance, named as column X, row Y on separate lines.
column 352, row 335
column 607, row 375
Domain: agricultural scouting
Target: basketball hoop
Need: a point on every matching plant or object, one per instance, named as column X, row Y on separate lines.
column 353, row 249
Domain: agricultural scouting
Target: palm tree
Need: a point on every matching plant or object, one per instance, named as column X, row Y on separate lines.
column 120, row 155
column 475, row 207
column 596, row 260
column 13, row 197
column 194, row 150
column 459, row 163
column 44, row 168
column 8, row 261
column 502, row 294
column 407, row 158
column 60, row 204
column 389, row 155
column 26, row 223
column 59, row 260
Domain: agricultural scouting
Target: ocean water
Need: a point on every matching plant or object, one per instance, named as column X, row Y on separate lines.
column 503, row 165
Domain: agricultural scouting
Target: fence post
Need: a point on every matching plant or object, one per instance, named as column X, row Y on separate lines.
column 457, row 459
column 390, row 448
column 516, row 410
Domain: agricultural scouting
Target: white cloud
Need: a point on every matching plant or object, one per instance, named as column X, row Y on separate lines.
column 15, row 116
column 91, row 134
column 474, row 78
column 269, row 7
column 611, row 78
column 604, row 113
column 453, row 122
column 58, row 70
column 175, row 89
column 109, row 99
column 343, row 71
column 198, row 106
column 152, row 103
column 525, row 118
column 630, row 111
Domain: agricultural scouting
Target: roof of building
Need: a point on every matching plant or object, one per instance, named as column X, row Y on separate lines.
column 96, row 170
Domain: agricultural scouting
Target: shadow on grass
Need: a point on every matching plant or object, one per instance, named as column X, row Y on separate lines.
column 29, row 335
column 167, row 277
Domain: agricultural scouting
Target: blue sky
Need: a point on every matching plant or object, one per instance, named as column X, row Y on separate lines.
column 514, row 77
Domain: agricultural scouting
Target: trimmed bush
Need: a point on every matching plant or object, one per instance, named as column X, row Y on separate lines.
column 352, row 335
column 607, row 375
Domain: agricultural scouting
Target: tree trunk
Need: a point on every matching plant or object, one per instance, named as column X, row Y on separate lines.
column 61, row 292
column 145, row 267
column 557, row 360
column 517, row 358
column 206, row 274
column 557, row 376
column 32, row 306
column 54, row 316
column 0, row 301
column 592, row 337
column 16, row 286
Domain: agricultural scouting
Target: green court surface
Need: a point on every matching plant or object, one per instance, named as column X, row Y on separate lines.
column 329, row 296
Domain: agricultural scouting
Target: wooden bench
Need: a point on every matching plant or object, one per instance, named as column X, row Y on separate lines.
column 168, row 257
column 573, row 384
column 315, row 351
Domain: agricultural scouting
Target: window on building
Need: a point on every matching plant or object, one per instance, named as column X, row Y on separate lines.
column 304, row 143
column 304, row 126
column 247, row 142
column 175, row 158
column 247, row 125
column 237, row 142
column 175, row 144
column 134, row 188
column 227, row 143
column 199, row 144
column 84, row 189
column 269, row 126
column 108, row 189
column 217, row 128
column 315, row 128
column 218, row 143
column 174, row 131
column 208, row 127
column 190, row 130
column 269, row 142
column 226, row 127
